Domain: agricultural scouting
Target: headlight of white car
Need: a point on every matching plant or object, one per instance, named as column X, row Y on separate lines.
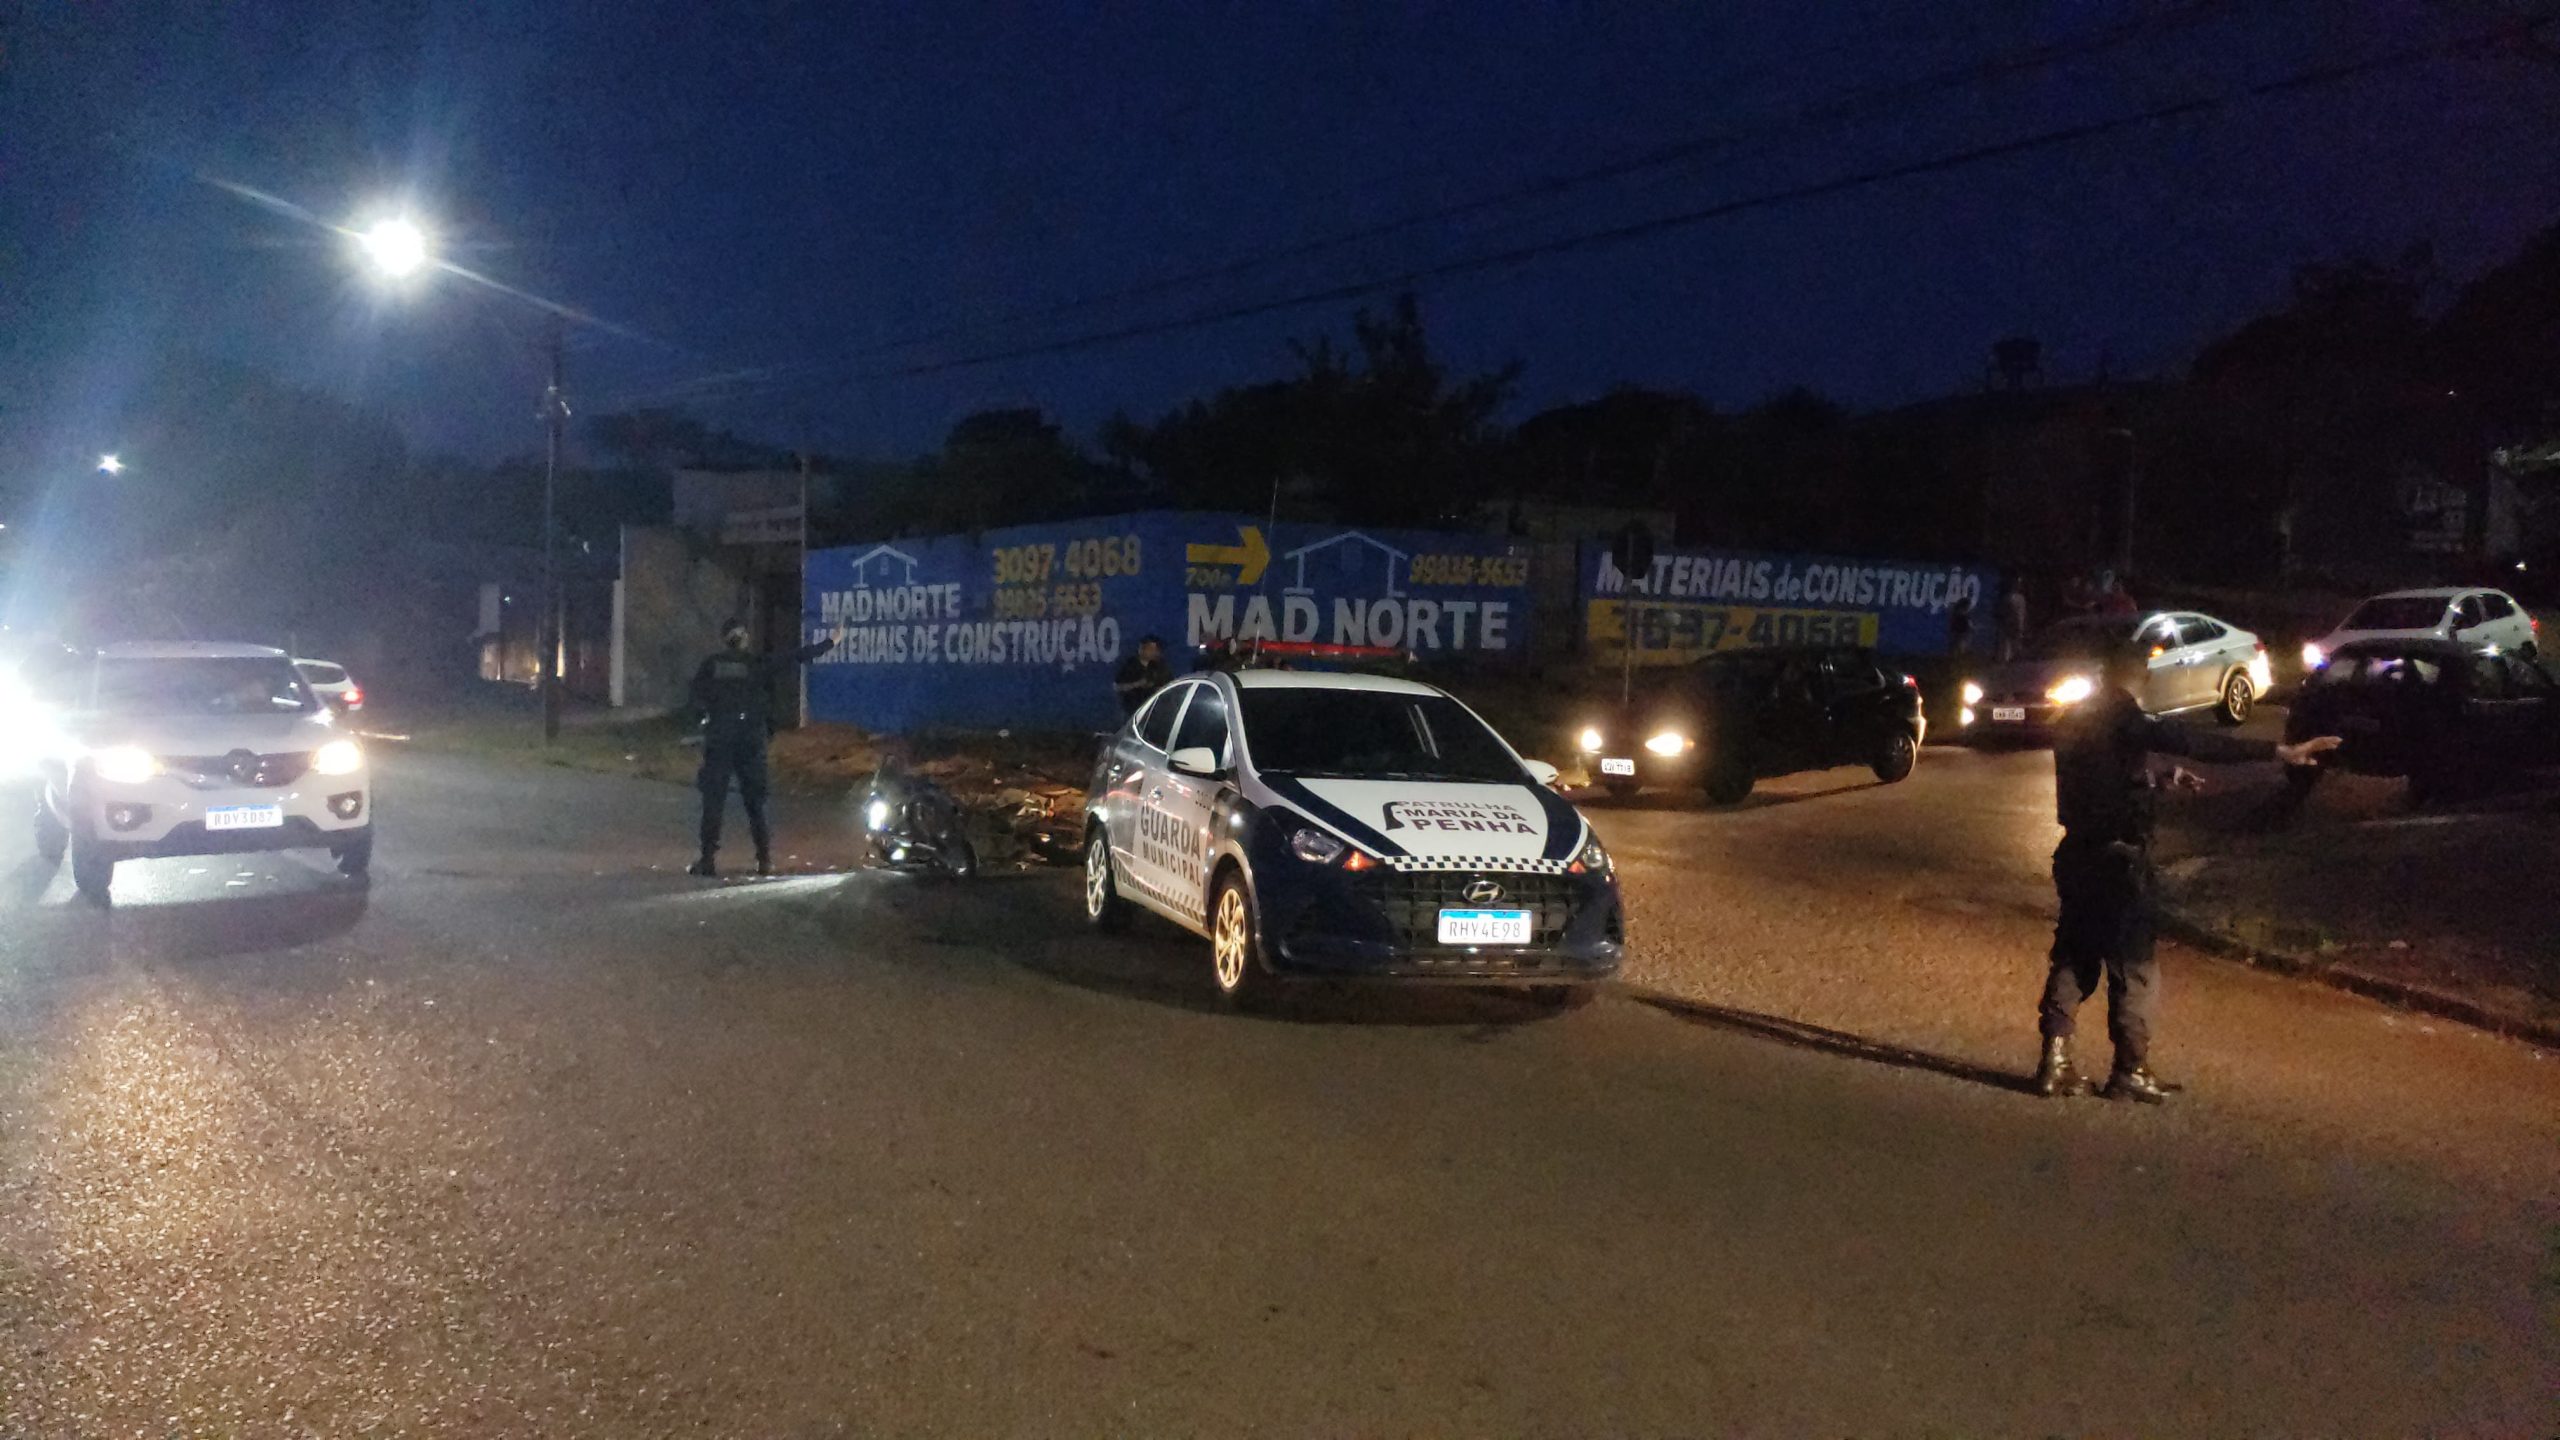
column 123, row 765
column 338, row 757
column 2071, row 690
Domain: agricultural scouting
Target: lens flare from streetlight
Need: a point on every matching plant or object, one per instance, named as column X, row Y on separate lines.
column 397, row 248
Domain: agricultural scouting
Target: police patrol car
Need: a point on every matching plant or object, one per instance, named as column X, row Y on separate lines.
column 1347, row 826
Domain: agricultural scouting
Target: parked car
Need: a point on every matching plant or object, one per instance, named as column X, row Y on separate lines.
column 192, row 749
column 332, row 684
column 2466, row 617
column 1729, row 720
column 2197, row 663
column 1346, row 827
column 2444, row 715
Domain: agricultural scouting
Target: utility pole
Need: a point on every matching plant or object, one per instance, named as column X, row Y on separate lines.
column 2127, row 498
column 555, row 409
column 802, row 634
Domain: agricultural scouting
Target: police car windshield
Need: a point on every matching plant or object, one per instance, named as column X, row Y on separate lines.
column 211, row 686
column 1372, row 735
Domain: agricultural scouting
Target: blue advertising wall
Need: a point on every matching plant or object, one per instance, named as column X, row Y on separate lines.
column 1024, row 626
column 1697, row 601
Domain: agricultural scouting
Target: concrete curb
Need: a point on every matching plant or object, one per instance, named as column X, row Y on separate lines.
column 2397, row 993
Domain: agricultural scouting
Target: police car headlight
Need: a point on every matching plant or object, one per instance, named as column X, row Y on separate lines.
column 1315, row 847
column 1591, row 738
column 1594, row 857
column 2313, row 657
column 877, row 816
column 2071, row 690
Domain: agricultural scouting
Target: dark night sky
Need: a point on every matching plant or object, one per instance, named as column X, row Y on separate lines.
column 760, row 184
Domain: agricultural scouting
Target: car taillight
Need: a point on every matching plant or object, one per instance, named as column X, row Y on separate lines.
column 355, row 696
column 1910, row 682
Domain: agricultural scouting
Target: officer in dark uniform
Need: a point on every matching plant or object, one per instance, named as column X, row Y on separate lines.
column 733, row 693
column 2103, row 787
column 1141, row 675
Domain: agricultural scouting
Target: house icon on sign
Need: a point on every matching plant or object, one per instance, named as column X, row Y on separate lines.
column 884, row 553
column 1388, row 555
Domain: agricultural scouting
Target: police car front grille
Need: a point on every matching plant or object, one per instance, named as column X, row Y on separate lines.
column 1411, row 902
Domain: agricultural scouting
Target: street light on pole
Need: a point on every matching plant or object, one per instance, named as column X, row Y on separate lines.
column 397, row 248
column 110, row 465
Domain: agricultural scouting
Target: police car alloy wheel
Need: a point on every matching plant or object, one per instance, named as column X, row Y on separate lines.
column 1103, row 907
column 1238, row 966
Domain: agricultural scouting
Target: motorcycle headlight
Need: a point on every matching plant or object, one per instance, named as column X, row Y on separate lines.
column 1592, row 739
column 1315, row 847
column 1669, row 742
column 2071, row 690
column 338, row 757
column 876, row 815
column 123, row 765
column 1972, row 693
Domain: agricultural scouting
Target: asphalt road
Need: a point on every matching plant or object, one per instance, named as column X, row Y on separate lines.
column 537, row 1136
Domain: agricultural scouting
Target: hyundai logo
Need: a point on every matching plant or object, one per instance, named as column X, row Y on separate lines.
column 1482, row 892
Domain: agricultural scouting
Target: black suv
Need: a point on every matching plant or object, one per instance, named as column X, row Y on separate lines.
column 1731, row 719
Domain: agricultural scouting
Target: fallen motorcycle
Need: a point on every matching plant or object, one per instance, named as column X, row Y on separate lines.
column 914, row 824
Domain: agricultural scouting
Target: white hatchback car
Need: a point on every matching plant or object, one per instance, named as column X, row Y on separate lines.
column 191, row 749
column 336, row 688
column 2477, row 618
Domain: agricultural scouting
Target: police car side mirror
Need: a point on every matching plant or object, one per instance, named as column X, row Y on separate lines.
column 1197, row 760
column 1542, row 772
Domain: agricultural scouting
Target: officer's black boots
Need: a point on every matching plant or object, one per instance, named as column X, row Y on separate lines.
column 2136, row 1082
column 764, row 863
column 2055, row 1075
column 704, row 868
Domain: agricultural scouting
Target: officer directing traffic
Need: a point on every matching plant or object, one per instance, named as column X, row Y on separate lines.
column 733, row 694
column 2104, row 790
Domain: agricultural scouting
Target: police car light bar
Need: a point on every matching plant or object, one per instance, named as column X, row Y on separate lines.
column 1269, row 650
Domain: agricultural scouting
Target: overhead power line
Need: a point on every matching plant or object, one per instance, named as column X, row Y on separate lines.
column 1853, row 104
column 2299, row 80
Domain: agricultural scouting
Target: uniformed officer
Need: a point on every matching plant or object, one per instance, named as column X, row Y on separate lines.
column 1141, row 675
column 2103, row 788
column 733, row 694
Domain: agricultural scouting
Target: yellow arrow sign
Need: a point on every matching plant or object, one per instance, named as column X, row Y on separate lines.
column 1249, row 558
